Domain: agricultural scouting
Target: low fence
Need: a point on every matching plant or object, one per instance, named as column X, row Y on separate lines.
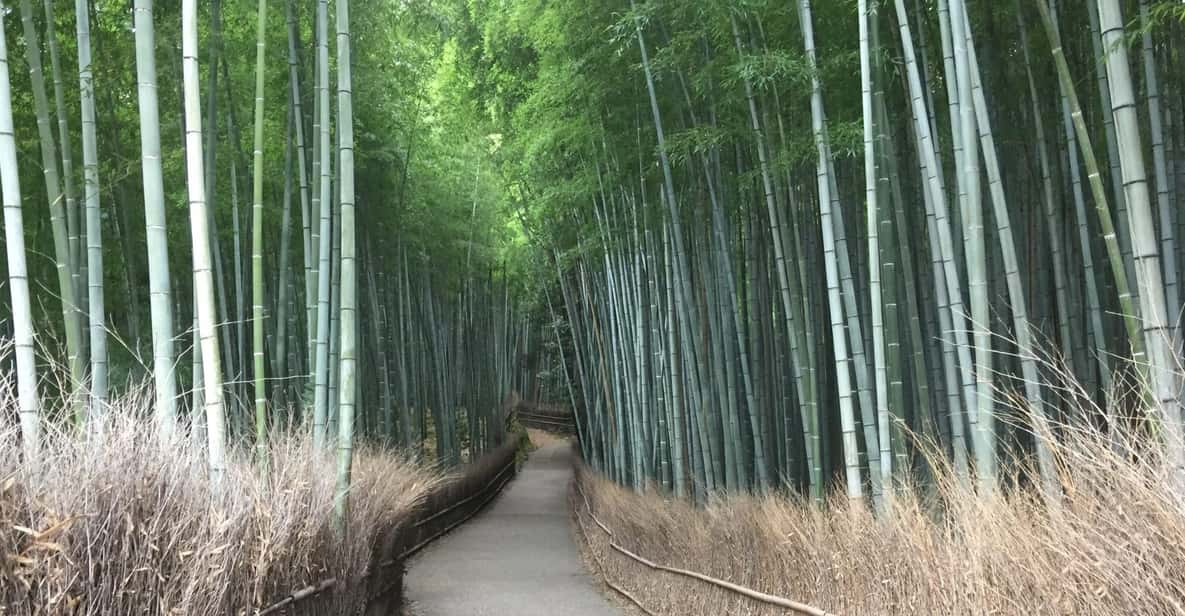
column 441, row 511
column 550, row 417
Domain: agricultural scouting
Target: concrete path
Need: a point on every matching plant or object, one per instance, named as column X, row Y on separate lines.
column 517, row 558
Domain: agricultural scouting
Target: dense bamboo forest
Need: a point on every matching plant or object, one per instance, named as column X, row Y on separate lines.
column 787, row 249
column 799, row 246
column 326, row 287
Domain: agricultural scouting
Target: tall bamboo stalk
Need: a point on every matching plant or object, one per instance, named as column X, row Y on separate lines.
column 308, row 216
column 854, row 485
column 159, row 292
column 1127, row 305
column 1160, row 172
column 200, row 236
column 28, row 401
column 257, row 300
column 345, row 135
column 57, row 211
column 66, row 151
column 321, row 365
column 866, row 19
column 1163, row 379
column 94, row 220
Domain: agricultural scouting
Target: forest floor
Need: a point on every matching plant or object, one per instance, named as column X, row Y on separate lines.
column 518, row 557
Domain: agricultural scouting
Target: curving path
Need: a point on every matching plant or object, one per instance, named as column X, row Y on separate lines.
column 516, row 558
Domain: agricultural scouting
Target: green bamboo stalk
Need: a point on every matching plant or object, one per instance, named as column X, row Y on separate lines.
column 70, row 192
column 855, row 488
column 946, row 278
column 200, row 236
column 1160, row 170
column 345, row 135
column 1163, row 381
column 257, row 304
column 321, row 370
column 1114, row 250
column 28, row 401
column 163, row 369
column 307, row 216
column 1016, row 295
column 57, row 212
column 280, row 361
column 865, row 19
column 970, row 200
column 94, row 227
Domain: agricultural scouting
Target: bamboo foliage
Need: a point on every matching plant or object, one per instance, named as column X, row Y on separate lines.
column 756, row 249
column 942, row 332
column 432, row 352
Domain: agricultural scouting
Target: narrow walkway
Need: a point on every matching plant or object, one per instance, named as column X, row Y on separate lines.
column 517, row 558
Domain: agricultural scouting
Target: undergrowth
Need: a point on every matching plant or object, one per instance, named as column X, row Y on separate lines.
column 117, row 522
column 1112, row 543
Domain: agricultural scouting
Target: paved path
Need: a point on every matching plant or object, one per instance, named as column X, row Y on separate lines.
column 517, row 558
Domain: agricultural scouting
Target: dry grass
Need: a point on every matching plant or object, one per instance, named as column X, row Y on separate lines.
column 123, row 524
column 1115, row 545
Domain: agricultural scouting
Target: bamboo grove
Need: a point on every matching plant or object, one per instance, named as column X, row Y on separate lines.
column 796, row 245
column 756, row 245
column 346, row 269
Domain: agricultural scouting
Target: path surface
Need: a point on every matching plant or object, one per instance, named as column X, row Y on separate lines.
column 517, row 558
